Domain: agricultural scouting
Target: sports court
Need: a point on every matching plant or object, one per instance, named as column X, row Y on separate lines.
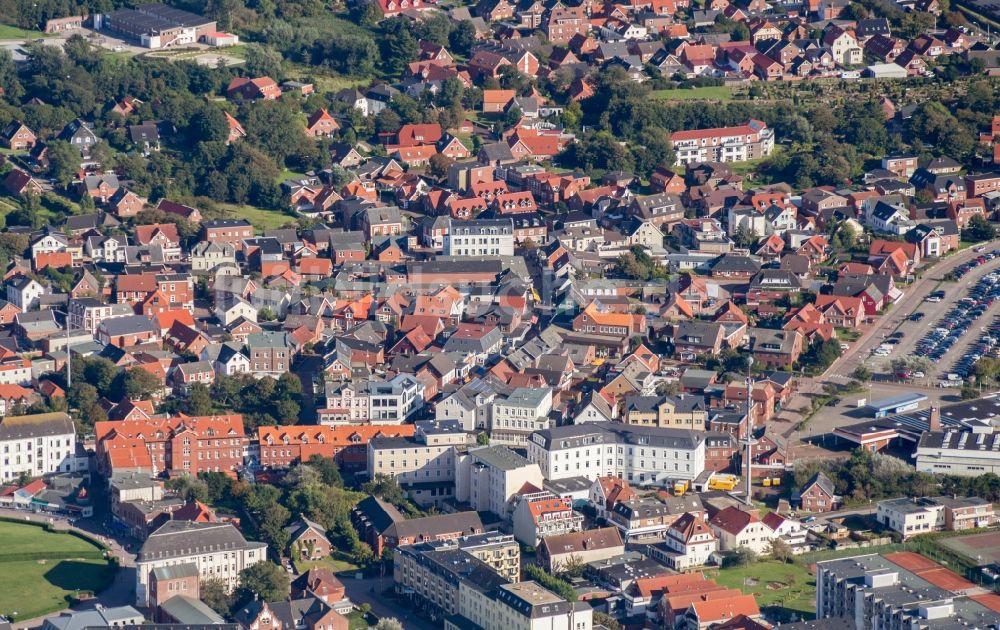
column 978, row 548
column 930, row 571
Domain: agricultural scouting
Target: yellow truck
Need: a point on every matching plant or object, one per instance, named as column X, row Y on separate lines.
column 723, row 482
column 680, row 487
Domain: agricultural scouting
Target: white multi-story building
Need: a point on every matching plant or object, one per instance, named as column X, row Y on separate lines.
column 883, row 592
column 724, row 144
column 24, row 292
column 423, row 464
column 639, row 454
column 207, row 256
column 486, row 478
column 87, row 313
column 373, row 401
column 480, row 237
column 521, row 413
column 346, row 403
column 913, row 517
column 217, row 550
column 909, row 517
column 15, row 369
column 520, row 606
column 689, row 543
column 38, row 444
column 395, row 400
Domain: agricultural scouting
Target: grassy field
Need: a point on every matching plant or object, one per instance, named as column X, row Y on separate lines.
column 63, row 566
column 709, row 93
column 787, row 589
column 262, row 219
column 744, row 168
column 13, row 32
column 333, row 564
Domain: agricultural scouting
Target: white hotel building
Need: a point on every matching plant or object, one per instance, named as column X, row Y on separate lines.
column 641, row 455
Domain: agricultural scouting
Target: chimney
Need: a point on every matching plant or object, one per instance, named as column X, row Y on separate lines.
column 934, row 422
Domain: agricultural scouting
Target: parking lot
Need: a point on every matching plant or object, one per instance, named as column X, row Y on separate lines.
column 947, row 327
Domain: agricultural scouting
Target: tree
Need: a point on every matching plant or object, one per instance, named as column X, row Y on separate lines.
column 562, row 588
column 862, row 373
column 439, row 164
column 274, row 127
column 215, row 593
column 606, row 620
column 263, row 61
column 398, row 44
column 265, row 314
column 821, row 354
column 199, row 402
column 572, row 567
column 64, row 162
column 483, row 439
column 265, row 580
column 781, row 550
column 979, row 229
column 329, row 474
column 272, row 527
column 745, row 237
column 668, row 388
column 189, row 488
column 743, row 556
column 462, row 37
column 140, row 385
column 388, row 623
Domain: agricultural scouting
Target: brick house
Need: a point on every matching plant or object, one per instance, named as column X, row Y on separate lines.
column 819, row 495
column 307, row 540
column 18, row 137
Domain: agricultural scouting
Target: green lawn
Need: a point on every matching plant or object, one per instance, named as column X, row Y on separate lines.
column 358, row 621
column 743, row 168
column 708, row 93
column 262, row 219
column 788, row 589
column 289, row 174
column 63, row 566
column 334, row 564
column 13, row 32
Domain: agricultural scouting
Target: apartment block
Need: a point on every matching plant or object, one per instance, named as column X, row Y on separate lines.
column 723, row 144
column 898, row 591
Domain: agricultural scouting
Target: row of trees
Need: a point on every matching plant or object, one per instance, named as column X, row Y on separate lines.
column 867, row 476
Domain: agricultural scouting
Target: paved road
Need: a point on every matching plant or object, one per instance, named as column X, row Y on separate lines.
column 912, row 300
column 121, row 591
